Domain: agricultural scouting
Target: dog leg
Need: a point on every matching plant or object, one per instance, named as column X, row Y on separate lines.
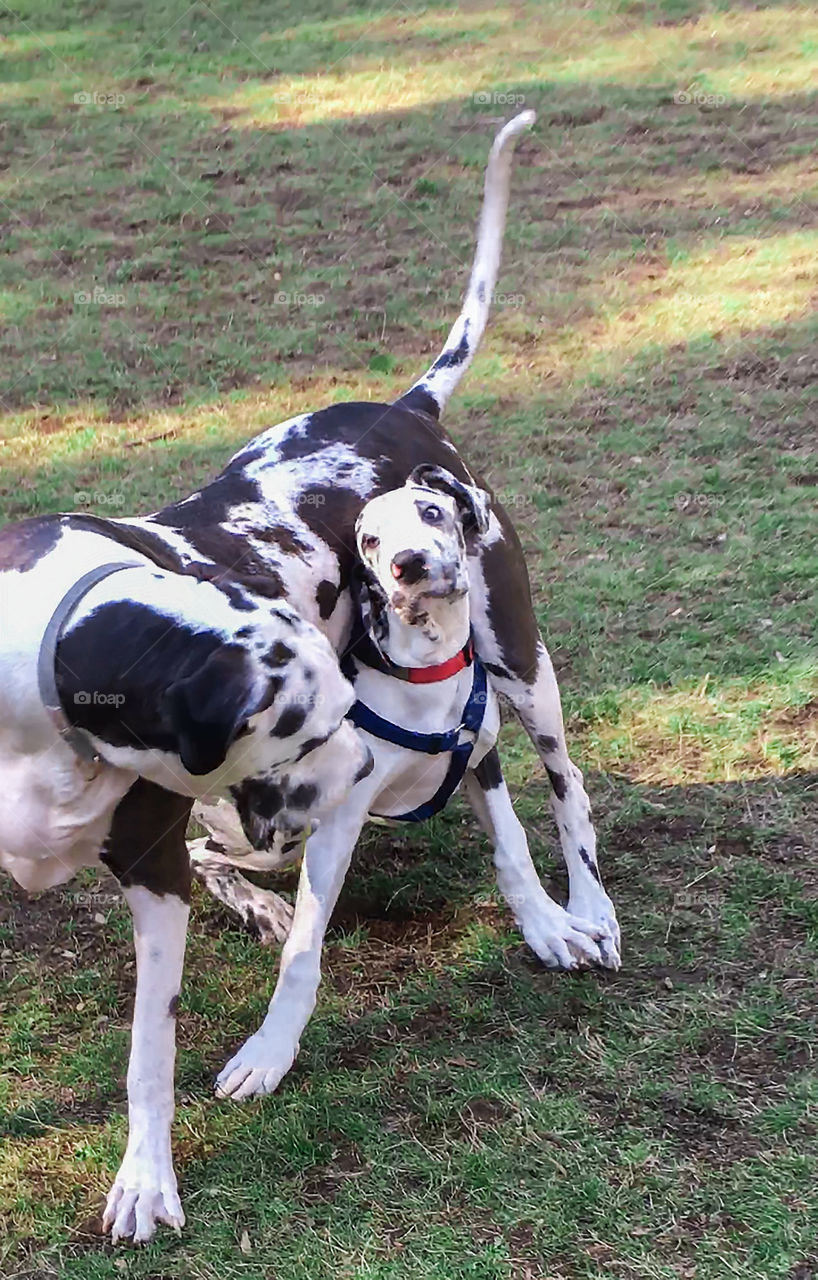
column 264, row 912
column 520, row 670
column 266, row 1057
column 147, row 853
column 562, row 939
column 539, row 708
column 144, row 1191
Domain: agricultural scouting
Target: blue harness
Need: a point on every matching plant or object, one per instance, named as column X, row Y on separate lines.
column 431, row 744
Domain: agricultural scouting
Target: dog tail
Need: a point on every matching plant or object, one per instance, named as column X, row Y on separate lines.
column 431, row 392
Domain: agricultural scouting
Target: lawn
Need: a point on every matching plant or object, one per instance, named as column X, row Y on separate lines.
column 215, row 216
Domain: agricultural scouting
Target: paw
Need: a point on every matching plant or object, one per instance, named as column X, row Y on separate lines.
column 259, row 1067
column 139, row 1200
column 269, row 915
column 601, row 911
column 563, row 940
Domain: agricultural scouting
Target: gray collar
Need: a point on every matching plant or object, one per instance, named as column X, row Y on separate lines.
column 77, row 739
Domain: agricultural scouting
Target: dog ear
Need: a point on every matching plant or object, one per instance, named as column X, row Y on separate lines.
column 473, row 503
column 205, row 711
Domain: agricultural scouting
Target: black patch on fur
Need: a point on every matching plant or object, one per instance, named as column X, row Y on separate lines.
column 173, row 1006
column 494, row 669
column 311, row 744
column 258, row 802
column 286, row 540
column 24, row 544
column 245, row 633
column 326, row 597
column 146, row 843
column 547, row 743
column 481, row 291
column 204, row 519
column 365, row 769
column 510, row 613
column 590, row 864
column 456, row 355
column 420, row 401
column 278, row 655
column 289, row 722
column 302, row 796
column 557, row 781
column 151, row 544
column 488, row 772
column 126, row 650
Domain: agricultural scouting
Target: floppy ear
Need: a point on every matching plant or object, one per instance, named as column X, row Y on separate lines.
column 473, row 503
column 205, row 711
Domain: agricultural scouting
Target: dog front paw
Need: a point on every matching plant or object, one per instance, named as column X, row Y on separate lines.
column 143, row 1195
column 602, row 913
column 561, row 939
column 258, row 1068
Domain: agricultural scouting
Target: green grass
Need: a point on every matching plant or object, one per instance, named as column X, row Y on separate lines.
column 260, row 209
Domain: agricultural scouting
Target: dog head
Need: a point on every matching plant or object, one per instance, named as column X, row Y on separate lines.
column 414, row 540
column 263, row 718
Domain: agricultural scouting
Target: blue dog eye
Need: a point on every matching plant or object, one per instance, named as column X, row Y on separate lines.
column 432, row 515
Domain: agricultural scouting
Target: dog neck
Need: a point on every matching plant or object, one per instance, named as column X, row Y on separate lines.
column 438, row 631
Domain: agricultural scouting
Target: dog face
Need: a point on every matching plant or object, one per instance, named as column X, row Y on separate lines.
column 414, row 540
column 265, row 720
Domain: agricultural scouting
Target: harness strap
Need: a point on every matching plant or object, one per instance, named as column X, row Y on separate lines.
column 77, row 739
column 430, row 743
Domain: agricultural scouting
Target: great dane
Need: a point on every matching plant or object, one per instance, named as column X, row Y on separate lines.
column 316, row 474
column 147, row 661
column 430, row 718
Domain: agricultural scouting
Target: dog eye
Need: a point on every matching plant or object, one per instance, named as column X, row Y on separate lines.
column 432, row 515
column 369, row 542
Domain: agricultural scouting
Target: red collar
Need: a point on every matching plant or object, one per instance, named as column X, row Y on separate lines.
column 442, row 670
column 364, row 649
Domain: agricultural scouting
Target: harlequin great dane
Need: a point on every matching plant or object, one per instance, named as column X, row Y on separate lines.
column 426, row 711
column 232, row 585
column 311, row 477
column 130, row 683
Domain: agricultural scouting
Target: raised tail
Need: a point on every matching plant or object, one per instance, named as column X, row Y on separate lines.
column 431, row 392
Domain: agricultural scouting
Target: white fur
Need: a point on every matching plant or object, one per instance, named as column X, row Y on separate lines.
column 144, row 1191
column 441, row 382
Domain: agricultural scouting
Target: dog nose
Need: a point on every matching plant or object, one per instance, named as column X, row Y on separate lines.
column 409, row 567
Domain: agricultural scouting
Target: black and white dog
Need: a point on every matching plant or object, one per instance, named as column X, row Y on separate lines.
column 127, row 689
column 431, row 720
column 126, row 692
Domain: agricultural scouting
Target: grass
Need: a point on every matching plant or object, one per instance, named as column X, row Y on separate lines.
column 251, row 211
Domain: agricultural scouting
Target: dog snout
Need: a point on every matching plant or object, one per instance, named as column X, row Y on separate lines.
column 409, row 567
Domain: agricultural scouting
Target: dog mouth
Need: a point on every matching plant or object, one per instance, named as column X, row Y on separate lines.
column 449, row 585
